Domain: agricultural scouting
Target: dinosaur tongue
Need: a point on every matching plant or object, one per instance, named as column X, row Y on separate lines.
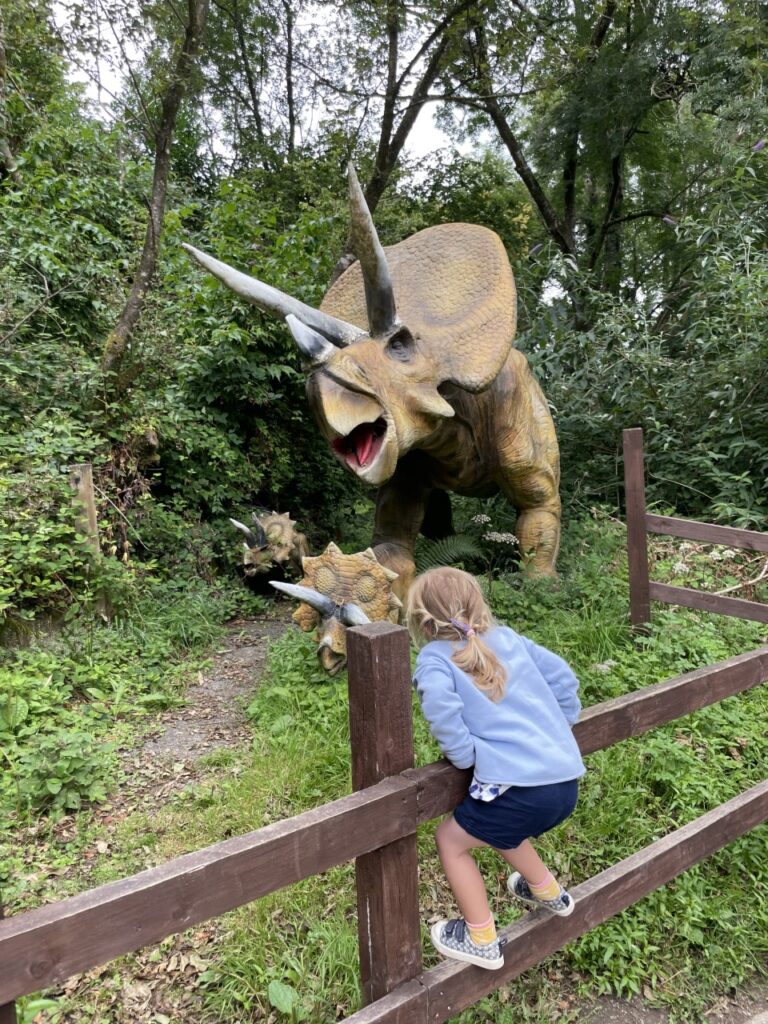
column 361, row 446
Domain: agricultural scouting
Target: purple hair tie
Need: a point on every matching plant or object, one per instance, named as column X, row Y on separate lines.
column 462, row 627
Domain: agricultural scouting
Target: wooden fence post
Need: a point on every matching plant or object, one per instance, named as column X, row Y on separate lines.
column 637, row 535
column 81, row 482
column 7, row 1010
column 381, row 735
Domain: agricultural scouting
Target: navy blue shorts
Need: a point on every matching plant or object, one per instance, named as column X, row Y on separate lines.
column 518, row 814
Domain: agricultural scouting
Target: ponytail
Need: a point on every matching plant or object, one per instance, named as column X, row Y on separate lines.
column 447, row 604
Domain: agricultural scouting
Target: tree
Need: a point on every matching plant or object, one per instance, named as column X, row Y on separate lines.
column 596, row 106
column 162, row 132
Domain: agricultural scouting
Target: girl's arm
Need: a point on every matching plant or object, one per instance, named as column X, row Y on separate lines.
column 442, row 708
column 559, row 676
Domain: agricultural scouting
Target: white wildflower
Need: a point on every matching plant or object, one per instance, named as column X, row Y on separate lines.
column 605, row 666
column 680, row 568
column 500, row 538
column 481, row 517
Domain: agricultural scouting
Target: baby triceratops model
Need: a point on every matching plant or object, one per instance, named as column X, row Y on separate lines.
column 341, row 590
column 432, row 397
column 274, row 544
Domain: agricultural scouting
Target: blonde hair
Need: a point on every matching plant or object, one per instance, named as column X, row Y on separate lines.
column 447, row 604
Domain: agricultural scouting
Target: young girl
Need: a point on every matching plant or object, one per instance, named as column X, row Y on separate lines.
column 499, row 702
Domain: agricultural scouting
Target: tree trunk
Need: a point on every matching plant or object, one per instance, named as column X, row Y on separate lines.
column 7, row 161
column 289, row 77
column 118, row 341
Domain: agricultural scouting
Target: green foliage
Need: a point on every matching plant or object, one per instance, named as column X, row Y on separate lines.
column 697, row 386
column 41, row 559
column 64, row 768
column 452, row 550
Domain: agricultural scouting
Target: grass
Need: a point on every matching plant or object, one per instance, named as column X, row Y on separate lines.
column 293, row 955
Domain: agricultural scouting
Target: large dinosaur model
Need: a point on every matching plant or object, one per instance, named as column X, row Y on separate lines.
column 432, row 397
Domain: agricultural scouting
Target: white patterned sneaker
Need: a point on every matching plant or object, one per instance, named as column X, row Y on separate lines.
column 561, row 905
column 452, row 939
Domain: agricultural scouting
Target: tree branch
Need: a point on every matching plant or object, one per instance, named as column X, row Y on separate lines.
column 557, row 229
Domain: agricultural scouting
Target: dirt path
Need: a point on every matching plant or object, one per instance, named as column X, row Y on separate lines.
column 214, row 713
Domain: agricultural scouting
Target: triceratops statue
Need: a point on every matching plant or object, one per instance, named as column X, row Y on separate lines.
column 272, row 545
column 431, row 397
column 341, row 590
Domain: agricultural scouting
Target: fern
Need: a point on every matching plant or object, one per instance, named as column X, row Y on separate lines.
column 447, row 551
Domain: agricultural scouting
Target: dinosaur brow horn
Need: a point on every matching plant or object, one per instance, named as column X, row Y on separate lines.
column 251, row 539
column 272, row 300
column 379, row 295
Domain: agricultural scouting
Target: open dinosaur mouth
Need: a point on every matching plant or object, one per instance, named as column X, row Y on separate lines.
column 360, row 448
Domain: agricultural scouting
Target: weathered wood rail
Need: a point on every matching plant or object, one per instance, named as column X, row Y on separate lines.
column 377, row 825
column 642, row 590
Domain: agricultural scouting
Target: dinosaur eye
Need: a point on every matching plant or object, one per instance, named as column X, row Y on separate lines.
column 400, row 346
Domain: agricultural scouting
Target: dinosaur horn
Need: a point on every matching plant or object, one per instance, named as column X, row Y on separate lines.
column 311, row 343
column 313, row 598
column 250, row 538
column 379, row 295
column 353, row 615
column 274, row 301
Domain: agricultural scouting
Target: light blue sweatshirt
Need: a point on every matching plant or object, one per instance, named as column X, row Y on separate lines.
column 524, row 739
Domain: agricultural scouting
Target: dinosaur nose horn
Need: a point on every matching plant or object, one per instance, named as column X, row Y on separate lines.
column 379, row 294
column 310, row 342
column 271, row 300
column 315, row 600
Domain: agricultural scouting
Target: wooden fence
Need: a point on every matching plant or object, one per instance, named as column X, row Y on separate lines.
column 377, row 825
column 640, row 523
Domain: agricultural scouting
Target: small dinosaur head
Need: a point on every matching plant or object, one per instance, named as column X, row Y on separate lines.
column 268, row 543
column 338, row 591
column 439, row 308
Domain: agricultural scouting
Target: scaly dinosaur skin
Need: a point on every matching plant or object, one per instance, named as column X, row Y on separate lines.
column 458, row 456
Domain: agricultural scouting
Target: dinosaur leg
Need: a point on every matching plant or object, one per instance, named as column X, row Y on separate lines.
column 535, row 495
column 401, row 504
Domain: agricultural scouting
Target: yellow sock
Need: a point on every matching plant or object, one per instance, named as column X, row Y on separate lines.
column 547, row 889
column 482, row 934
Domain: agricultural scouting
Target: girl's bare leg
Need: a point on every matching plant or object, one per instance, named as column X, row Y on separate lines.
column 525, row 860
column 463, row 874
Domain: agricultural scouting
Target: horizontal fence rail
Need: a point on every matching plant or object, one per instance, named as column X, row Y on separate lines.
column 445, row 990
column 717, row 603
column 43, row 947
column 640, row 523
column 707, row 533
